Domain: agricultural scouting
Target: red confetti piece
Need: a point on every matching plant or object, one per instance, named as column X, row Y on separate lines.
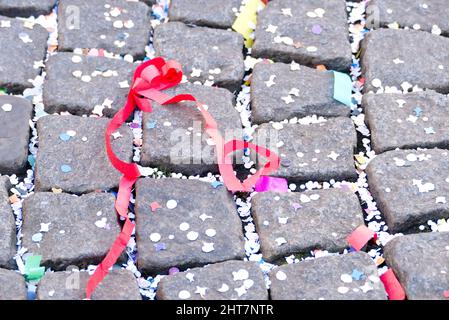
column 392, row 286
column 155, row 206
column 446, row 294
column 360, row 237
column 150, row 79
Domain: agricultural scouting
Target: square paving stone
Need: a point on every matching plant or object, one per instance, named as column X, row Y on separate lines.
column 204, row 12
column 280, row 91
column 170, row 133
column 310, row 32
column 26, row 8
column 71, row 285
column 69, row 230
column 7, row 227
column 118, row 26
column 292, row 223
column 320, row 152
column 228, row 280
column 15, row 114
column 72, row 154
column 412, row 14
column 13, row 285
column 412, row 120
column 84, row 84
column 204, row 53
column 410, row 187
column 421, row 264
column 391, row 57
column 196, row 224
column 22, row 46
column 351, row 276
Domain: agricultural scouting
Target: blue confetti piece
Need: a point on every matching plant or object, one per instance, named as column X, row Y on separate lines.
column 216, row 184
column 160, row 246
column 66, row 168
column 342, row 88
column 418, row 111
column 64, row 137
column 357, row 275
column 151, row 124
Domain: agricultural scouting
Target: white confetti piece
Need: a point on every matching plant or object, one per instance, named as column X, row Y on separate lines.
column 45, row 227
column 172, row 204
column 270, row 82
column 283, row 220
column 190, row 276
column 25, row 37
column 77, row 59
column 86, row 78
column 101, row 223
column 280, row 241
column 287, row 12
column 281, row 276
column 184, row 294
column 201, row 291
column 333, row 155
column 288, row 99
column 7, row 107
column 184, row 226
column 204, row 217
column 5, row 24
column 207, row 247
column 240, row 274
column 271, row 28
column 124, row 84
column 224, row 288
column 241, row 291
column 211, row 233
column 155, row 237
column 343, row 290
column 196, row 73
column 192, row 235
column 440, row 200
column 294, row 66
column 346, row 278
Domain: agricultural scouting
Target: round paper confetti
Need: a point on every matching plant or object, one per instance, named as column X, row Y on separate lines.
column 192, row 235
column 184, row 226
column 155, row 237
column 211, row 232
column 171, row 204
column 184, row 294
column 280, row 275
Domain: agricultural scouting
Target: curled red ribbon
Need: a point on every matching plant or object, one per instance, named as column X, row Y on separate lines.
column 150, row 79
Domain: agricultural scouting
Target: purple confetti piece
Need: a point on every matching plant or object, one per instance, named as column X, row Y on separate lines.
column 316, row 29
column 296, row 206
column 173, row 270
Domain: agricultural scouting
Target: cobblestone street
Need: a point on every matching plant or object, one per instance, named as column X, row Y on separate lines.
column 352, row 97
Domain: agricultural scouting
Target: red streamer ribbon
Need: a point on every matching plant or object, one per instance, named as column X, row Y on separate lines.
column 360, row 237
column 392, row 286
column 150, row 79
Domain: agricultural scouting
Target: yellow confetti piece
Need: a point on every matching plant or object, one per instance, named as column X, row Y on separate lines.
column 56, row 190
column 379, row 261
column 247, row 19
column 360, row 158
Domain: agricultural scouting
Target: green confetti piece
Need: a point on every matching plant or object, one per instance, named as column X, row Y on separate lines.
column 31, row 161
column 33, row 271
